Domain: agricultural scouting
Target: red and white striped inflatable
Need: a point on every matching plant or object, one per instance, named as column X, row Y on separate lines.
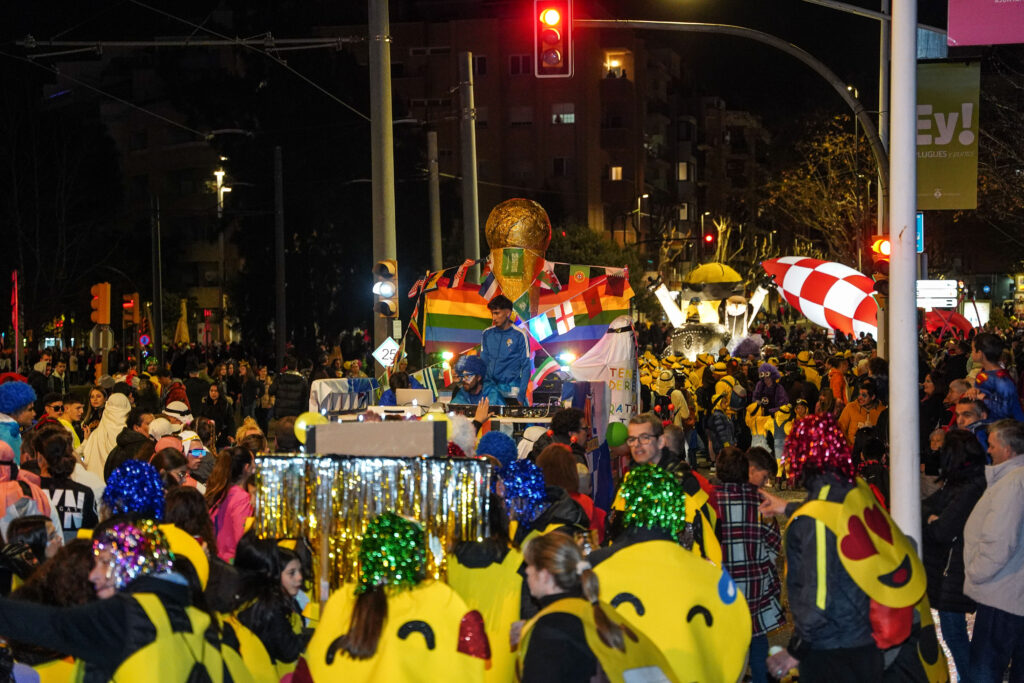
column 828, row 294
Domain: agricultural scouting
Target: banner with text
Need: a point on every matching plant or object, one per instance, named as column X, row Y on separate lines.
column 947, row 135
column 985, row 22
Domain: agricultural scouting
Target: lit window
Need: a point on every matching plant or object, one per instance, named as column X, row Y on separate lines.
column 563, row 112
column 615, row 173
column 684, row 212
column 682, row 171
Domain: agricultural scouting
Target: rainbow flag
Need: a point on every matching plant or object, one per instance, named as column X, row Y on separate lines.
column 455, row 316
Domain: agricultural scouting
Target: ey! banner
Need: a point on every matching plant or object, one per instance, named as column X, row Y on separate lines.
column 947, row 135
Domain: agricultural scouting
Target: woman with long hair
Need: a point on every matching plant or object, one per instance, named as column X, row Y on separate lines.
column 269, row 579
column 228, row 499
column 575, row 637
column 397, row 625
column 172, row 466
column 945, row 513
column 217, row 407
column 94, row 411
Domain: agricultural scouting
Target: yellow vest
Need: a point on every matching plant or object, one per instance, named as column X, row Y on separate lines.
column 692, row 609
column 252, row 652
column 495, row 591
column 420, row 638
column 641, row 660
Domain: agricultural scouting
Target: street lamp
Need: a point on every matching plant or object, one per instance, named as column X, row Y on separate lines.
column 638, row 200
column 222, row 189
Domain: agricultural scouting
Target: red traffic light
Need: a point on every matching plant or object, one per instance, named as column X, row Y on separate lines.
column 709, row 237
column 551, row 16
column 552, row 38
column 881, row 246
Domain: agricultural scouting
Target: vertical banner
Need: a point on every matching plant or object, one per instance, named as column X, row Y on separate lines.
column 985, row 22
column 947, row 135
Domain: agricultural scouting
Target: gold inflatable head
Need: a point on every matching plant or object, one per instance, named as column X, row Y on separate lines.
column 518, row 233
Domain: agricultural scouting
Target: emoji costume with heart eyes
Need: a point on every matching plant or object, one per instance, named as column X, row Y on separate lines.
column 643, row 583
column 428, row 630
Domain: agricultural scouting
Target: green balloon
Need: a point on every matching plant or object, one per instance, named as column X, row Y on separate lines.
column 616, row 434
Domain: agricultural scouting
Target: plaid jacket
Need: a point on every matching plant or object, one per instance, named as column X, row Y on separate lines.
column 750, row 546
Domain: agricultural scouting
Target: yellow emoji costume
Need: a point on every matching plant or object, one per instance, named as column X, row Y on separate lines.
column 425, row 627
column 702, row 624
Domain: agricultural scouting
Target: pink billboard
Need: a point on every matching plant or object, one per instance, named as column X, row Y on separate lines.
column 985, row 22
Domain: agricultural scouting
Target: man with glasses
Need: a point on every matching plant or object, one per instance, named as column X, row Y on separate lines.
column 470, row 372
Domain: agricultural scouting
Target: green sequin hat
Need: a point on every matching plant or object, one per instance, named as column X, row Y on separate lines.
column 393, row 553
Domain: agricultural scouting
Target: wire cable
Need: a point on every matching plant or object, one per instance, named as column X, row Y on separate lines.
column 279, row 61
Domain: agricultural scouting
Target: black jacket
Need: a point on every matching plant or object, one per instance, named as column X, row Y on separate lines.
column 128, row 441
column 844, row 623
column 558, row 650
column 222, row 415
column 944, row 542
column 291, row 394
column 196, row 389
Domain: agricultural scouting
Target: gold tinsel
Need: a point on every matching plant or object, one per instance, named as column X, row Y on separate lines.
column 330, row 499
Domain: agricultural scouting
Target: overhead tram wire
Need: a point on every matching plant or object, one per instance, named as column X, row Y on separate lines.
column 59, row 74
column 246, row 45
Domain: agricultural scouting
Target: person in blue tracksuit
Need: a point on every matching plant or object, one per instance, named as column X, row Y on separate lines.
column 506, row 351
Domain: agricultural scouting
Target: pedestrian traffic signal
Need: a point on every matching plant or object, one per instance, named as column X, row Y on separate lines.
column 881, row 248
column 552, row 38
column 131, row 313
column 385, row 288
column 100, row 303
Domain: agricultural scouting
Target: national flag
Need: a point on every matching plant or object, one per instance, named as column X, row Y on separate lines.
column 548, row 279
column 489, row 288
column 592, row 299
column 540, row 327
column 513, row 261
column 565, row 320
column 418, row 286
column 425, row 377
column 616, row 282
column 460, row 274
column 414, row 322
column 546, row 367
column 522, row 305
column 448, row 376
column 579, row 276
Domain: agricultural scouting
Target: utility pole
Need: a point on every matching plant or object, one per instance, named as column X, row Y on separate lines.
column 280, row 328
column 434, row 198
column 158, row 281
column 470, row 201
column 382, row 145
column 902, row 329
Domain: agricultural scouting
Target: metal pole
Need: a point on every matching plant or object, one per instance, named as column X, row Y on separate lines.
column 280, row 328
column 902, row 332
column 434, row 198
column 158, row 282
column 884, row 47
column 470, row 201
column 382, row 145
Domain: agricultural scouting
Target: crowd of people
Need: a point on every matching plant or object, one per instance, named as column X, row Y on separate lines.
column 126, row 538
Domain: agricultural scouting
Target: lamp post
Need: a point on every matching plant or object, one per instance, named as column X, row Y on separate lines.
column 222, row 189
column 638, row 214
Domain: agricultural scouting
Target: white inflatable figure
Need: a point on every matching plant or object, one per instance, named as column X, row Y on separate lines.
column 612, row 360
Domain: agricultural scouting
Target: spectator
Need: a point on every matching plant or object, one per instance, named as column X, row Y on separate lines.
column 289, row 390
column 216, row 407
column 994, row 560
column 17, row 411
column 228, row 499
column 103, row 439
column 863, row 412
column 559, row 468
column 74, row 503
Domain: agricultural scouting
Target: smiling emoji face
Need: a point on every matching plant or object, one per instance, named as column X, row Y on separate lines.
column 701, row 624
column 875, row 552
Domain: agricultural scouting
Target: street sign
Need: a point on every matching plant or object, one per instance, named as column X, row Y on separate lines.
column 936, row 303
column 936, row 293
column 101, row 338
column 387, row 353
column 144, row 340
column 920, row 232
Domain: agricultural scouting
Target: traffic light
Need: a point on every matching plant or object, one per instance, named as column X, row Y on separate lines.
column 881, row 248
column 131, row 313
column 552, row 38
column 708, row 247
column 100, row 303
column 385, row 288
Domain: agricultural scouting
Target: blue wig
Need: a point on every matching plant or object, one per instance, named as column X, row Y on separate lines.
column 15, row 397
column 525, row 492
column 135, row 487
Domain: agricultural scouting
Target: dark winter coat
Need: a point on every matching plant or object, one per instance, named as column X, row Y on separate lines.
column 291, row 394
column 944, row 543
column 844, row 622
column 128, row 442
column 222, row 415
